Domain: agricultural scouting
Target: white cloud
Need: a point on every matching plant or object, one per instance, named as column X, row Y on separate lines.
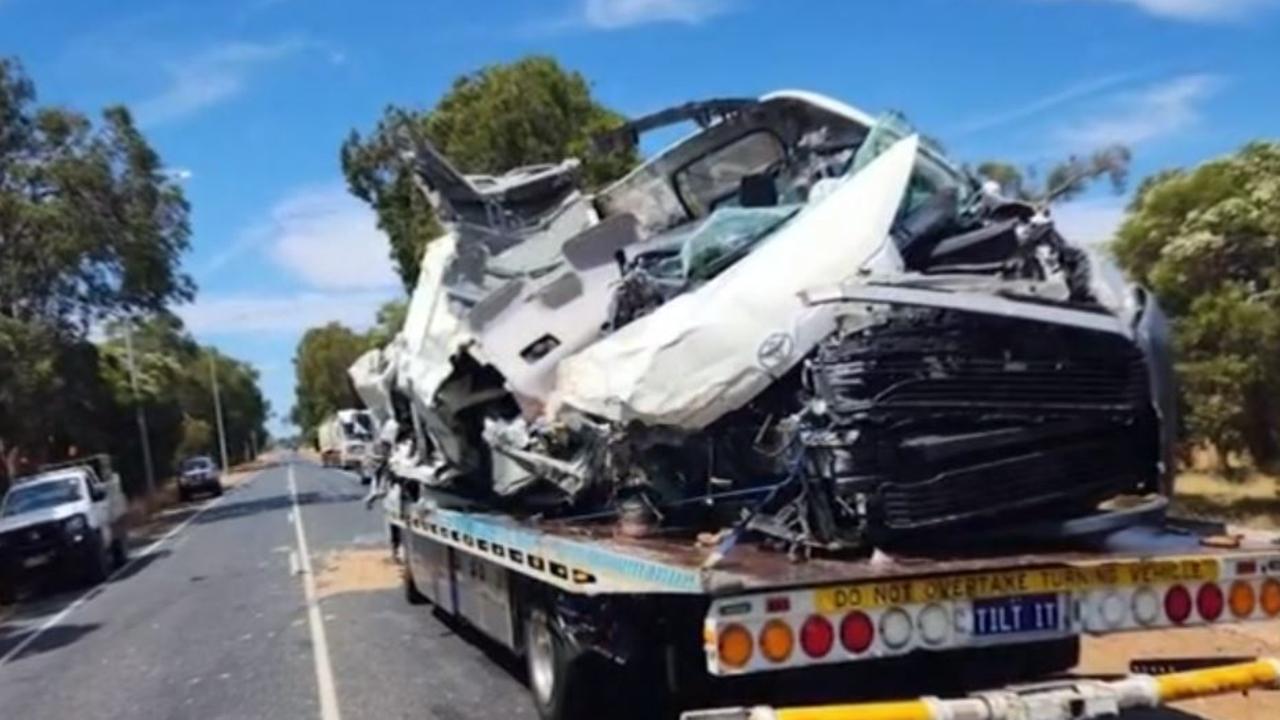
column 1200, row 10
column 288, row 314
column 321, row 235
column 1157, row 111
column 615, row 14
column 210, row 77
column 330, row 239
column 1091, row 221
column 1058, row 98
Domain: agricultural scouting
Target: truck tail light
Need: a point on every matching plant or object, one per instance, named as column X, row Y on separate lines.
column 1146, row 606
column 1242, row 599
column 734, row 646
column 1177, row 604
column 817, row 636
column 856, row 632
column 1209, row 601
column 776, row 640
column 896, row 628
column 1270, row 599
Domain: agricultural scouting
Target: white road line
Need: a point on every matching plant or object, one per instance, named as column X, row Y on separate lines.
column 324, row 671
column 294, row 568
column 138, row 557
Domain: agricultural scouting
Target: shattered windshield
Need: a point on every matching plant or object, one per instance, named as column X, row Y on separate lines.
column 41, row 495
column 716, row 177
column 930, row 176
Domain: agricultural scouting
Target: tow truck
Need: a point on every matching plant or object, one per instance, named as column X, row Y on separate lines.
column 668, row 624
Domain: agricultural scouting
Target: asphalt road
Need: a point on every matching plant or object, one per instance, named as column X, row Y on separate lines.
column 215, row 620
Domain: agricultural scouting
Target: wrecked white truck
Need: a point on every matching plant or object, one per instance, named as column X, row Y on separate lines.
column 797, row 312
column 795, row 396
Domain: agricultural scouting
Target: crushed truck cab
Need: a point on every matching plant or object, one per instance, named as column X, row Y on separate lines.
column 796, row 397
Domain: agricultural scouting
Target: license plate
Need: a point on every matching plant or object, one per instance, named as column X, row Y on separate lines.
column 1016, row 615
column 37, row 560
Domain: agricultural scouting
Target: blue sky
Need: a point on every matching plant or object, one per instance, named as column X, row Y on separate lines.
column 248, row 101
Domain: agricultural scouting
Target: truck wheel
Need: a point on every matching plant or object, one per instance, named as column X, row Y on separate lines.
column 120, row 551
column 183, row 495
column 411, row 593
column 99, row 563
column 564, row 680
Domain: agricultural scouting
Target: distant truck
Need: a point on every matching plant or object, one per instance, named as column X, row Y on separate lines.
column 67, row 519
column 346, row 439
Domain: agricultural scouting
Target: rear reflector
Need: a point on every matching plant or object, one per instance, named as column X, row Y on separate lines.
column 1177, row 604
column 1209, row 601
column 856, row 632
column 817, row 636
column 780, row 603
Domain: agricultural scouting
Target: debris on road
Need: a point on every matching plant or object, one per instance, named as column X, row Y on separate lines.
column 356, row 570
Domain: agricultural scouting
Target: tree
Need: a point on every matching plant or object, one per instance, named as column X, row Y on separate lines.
column 176, row 392
column 90, row 227
column 320, row 367
column 502, row 116
column 1064, row 180
column 1207, row 242
column 388, row 321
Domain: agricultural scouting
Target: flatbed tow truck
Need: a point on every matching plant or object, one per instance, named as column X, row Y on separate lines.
column 685, row 627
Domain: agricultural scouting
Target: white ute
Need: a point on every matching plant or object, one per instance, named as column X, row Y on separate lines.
column 66, row 519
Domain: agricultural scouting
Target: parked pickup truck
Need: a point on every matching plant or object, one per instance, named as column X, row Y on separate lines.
column 67, row 519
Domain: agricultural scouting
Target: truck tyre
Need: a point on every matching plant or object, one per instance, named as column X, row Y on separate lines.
column 183, row 495
column 120, row 551
column 98, row 563
column 411, row 593
column 564, row 681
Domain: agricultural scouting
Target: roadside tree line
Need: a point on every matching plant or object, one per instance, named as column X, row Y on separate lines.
column 92, row 230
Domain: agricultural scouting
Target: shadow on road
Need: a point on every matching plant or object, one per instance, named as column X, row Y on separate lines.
column 232, row 510
column 51, row 639
column 138, row 563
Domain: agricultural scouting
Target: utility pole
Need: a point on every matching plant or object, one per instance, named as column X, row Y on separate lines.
column 141, row 414
column 217, row 408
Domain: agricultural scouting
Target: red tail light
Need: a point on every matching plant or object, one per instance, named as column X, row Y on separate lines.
column 817, row 636
column 856, row 632
column 1209, row 601
column 1177, row 604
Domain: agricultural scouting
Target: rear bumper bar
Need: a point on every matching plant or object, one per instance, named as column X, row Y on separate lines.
column 1067, row 700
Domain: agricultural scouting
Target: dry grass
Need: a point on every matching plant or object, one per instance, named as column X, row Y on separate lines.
column 1252, row 501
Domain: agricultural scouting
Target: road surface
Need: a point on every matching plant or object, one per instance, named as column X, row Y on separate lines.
column 214, row 623
column 218, row 618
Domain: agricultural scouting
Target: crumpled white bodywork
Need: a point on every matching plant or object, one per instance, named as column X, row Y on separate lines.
column 711, row 351
column 432, row 332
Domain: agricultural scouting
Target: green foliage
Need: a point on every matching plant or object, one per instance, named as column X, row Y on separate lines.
column 90, row 227
column 320, row 365
column 1207, row 242
column 499, row 117
column 389, row 320
column 92, row 233
column 1064, row 180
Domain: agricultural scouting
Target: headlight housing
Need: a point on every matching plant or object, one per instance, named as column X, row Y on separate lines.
column 75, row 524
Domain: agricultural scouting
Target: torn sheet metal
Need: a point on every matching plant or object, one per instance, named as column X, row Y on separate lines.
column 712, row 350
